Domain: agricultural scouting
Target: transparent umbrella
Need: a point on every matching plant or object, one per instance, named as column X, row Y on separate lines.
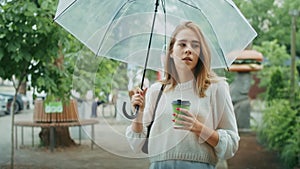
column 134, row 31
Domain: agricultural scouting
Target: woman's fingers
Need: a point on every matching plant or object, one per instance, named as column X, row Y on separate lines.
column 145, row 91
column 186, row 121
column 186, row 112
column 181, row 124
column 140, row 91
column 185, row 118
column 138, row 98
column 185, row 115
column 193, row 126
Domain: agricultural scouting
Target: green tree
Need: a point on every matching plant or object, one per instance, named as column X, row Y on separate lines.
column 275, row 61
column 96, row 73
column 271, row 19
column 280, row 116
column 277, row 89
column 31, row 44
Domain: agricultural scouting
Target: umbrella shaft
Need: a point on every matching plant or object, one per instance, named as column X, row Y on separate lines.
column 150, row 42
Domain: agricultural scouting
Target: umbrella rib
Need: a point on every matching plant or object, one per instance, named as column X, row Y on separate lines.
column 188, row 4
column 163, row 4
column 110, row 24
column 65, row 10
column 195, row 7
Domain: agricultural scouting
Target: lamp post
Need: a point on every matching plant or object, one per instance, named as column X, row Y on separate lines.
column 294, row 13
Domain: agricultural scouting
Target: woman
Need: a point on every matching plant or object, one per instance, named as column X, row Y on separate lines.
column 202, row 134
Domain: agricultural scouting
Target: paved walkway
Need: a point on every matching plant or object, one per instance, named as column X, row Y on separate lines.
column 112, row 151
column 252, row 155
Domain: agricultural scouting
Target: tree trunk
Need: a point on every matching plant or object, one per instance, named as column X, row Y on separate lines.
column 62, row 137
column 62, row 134
column 23, row 88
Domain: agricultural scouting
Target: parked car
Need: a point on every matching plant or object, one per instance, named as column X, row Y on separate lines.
column 6, row 102
column 3, row 103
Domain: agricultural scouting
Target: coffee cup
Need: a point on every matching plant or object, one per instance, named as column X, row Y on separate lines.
column 183, row 104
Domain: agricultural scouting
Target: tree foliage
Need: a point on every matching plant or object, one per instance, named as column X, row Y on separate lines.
column 96, row 73
column 275, row 57
column 31, row 43
column 271, row 19
column 280, row 131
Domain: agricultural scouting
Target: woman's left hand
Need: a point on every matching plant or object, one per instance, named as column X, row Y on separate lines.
column 187, row 121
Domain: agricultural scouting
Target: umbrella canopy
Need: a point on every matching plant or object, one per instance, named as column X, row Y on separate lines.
column 120, row 29
column 135, row 31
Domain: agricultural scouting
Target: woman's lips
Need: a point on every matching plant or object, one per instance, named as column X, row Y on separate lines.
column 187, row 59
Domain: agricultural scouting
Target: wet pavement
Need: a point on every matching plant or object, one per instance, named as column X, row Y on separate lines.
column 252, row 155
column 111, row 151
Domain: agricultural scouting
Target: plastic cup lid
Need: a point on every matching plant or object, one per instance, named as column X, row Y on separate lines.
column 181, row 102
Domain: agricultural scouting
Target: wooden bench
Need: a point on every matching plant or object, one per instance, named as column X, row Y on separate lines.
column 52, row 125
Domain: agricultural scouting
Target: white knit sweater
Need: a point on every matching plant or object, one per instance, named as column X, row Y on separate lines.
column 167, row 143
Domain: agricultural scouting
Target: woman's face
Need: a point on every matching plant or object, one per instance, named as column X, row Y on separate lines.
column 186, row 50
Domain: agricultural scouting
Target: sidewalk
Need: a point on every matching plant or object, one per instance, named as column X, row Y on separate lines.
column 112, row 151
column 252, row 155
column 109, row 152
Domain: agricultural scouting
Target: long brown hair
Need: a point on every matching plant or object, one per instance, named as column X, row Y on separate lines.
column 202, row 73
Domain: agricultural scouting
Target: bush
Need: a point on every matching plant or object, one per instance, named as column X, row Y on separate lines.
column 280, row 130
column 277, row 90
column 291, row 151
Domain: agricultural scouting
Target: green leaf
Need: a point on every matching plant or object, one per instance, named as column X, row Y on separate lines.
column 1, row 53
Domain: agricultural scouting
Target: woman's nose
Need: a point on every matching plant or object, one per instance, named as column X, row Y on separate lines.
column 188, row 51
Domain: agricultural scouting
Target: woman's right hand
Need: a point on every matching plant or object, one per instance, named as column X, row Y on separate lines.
column 138, row 99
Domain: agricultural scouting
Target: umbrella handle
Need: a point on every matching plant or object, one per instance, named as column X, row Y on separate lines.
column 132, row 116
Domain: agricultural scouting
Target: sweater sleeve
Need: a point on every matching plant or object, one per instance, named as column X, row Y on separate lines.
column 226, row 123
column 137, row 140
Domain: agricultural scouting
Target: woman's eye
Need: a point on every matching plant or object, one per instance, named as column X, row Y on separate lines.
column 195, row 46
column 182, row 44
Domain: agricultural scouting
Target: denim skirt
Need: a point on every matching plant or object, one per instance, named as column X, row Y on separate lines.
column 179, row 164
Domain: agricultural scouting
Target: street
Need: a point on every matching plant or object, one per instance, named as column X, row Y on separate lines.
column 112, row 150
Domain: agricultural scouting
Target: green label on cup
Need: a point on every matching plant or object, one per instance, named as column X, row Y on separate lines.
column 180, row 104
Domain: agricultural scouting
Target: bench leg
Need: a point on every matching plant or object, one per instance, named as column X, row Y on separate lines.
column 52, row 138
column 16, row 136
column 93, row 137
column 32, row 136
column 79, row 128
column 22, row 135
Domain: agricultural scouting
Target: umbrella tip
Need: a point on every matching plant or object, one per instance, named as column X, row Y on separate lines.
column 227, row 68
